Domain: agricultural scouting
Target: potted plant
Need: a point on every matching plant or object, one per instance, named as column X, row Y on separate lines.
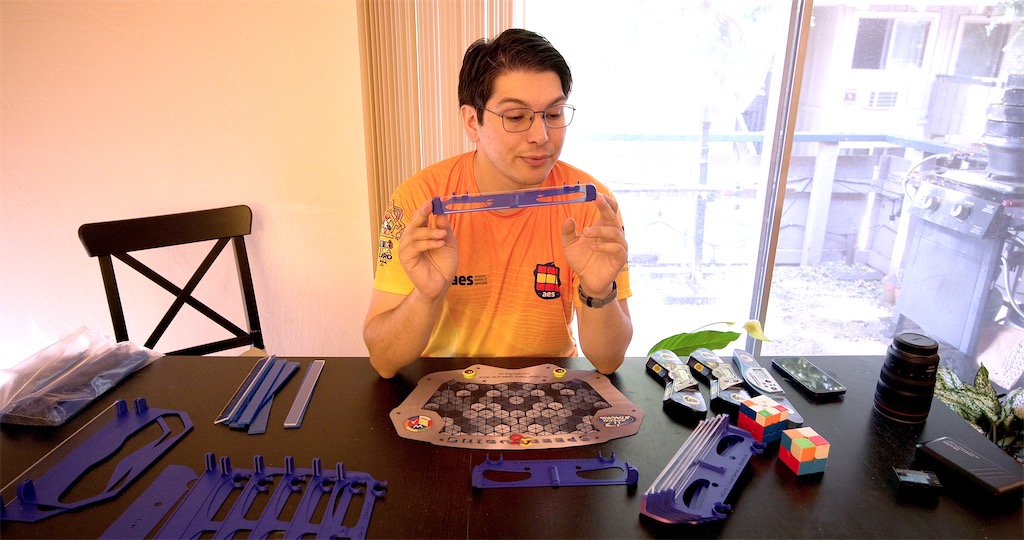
column 1000, row 418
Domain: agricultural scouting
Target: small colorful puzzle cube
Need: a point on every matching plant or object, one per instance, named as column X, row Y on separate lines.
column 763, row 418
column 804, row 451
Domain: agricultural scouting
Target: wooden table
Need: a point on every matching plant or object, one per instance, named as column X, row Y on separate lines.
column 430, row 495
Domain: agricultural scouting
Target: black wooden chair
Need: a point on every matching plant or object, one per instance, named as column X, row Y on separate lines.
column 118, row 239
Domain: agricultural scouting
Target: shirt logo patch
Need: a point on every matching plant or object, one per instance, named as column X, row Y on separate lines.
column 477, row 279
column 384, row 251
column 546, row 282
column 391, row 229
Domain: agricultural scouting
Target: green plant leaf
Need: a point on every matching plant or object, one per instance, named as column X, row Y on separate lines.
column 960, row 409
column 1013, row 404
column 982, row 383
column 686, row 343
column 965, row 402
column 947, row 379
column 998, row 419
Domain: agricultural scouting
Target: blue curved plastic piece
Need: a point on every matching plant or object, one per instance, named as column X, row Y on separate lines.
column 40, row 498
column 694, row 485
column 554, row 472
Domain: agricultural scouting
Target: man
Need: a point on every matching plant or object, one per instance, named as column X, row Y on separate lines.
column 502, row 282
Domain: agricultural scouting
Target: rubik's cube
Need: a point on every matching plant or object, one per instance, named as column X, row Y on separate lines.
column 763, row 418
column 804, row 451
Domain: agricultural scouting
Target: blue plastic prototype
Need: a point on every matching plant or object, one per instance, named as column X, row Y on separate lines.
column 245, row 391
column 40, row 498
column 249, row 408
column 694, row 485
column 146, row 512
column 504, row 200
column 554, row 472
column 197, row 513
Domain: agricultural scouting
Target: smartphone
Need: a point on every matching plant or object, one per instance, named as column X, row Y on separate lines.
column 809, row 378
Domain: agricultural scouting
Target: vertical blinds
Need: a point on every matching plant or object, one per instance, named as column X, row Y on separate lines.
column 413, row 51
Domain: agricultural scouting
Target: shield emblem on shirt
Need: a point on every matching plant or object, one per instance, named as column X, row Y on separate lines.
column 546, row 282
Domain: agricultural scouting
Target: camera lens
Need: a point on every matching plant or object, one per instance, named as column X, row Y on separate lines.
column 907, row 380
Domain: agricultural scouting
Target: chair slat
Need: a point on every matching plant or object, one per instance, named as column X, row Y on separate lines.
column 136, row 234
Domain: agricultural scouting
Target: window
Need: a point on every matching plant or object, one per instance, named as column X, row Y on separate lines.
column 885, row 43
column 872, row 42
column 695, row 184
column 718, row 231
column 981, row 49
column 693, row 180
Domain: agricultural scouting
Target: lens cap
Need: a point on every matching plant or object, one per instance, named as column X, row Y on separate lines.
column 916, row 344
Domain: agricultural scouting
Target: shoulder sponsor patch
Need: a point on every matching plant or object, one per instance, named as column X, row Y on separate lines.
column 390, row 230
column 392, row 225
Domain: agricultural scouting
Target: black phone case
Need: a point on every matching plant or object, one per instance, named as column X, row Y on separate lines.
column 806, row 390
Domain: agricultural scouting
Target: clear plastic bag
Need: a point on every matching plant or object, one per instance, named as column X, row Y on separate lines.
column 52, row 385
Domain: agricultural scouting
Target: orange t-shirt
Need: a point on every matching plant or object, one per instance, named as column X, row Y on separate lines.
column 513, row 293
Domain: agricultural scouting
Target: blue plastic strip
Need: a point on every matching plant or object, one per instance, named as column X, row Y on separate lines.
column 298, row 410
column 244, row 392
column 279, row 373
column 40, row 498
column 554, row 472
column 504, row 200
column 259, row 424
column 255, row 401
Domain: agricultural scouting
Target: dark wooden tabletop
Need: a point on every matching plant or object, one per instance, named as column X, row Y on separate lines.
column 429, row 492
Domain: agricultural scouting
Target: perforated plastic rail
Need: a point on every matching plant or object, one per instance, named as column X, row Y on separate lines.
column 504, row 200
column 553, row 472
column 196, row 515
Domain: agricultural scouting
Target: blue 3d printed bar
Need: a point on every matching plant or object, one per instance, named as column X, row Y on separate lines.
column 554, row 472
column 505, row 200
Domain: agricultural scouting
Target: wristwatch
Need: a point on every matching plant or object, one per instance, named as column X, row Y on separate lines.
column 597, row 302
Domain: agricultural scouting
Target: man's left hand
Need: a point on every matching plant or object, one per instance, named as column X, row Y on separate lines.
column 600, row 253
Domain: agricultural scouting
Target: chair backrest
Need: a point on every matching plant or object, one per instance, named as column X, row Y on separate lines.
column 117, row 239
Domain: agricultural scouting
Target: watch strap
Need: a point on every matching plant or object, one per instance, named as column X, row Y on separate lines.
column 590, row 301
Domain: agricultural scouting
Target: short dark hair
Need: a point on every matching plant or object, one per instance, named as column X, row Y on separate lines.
column 514, row 49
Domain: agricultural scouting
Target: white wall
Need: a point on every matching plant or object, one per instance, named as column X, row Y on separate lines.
column 124, row 108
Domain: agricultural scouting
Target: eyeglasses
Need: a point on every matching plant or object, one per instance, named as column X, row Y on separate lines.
column 521, row 118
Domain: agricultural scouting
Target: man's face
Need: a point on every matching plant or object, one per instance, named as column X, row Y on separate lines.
column 509, row 161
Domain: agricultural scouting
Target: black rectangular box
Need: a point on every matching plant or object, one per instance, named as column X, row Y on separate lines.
column 997, row 474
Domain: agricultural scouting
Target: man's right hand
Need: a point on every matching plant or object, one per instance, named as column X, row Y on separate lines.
column 429, row 255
